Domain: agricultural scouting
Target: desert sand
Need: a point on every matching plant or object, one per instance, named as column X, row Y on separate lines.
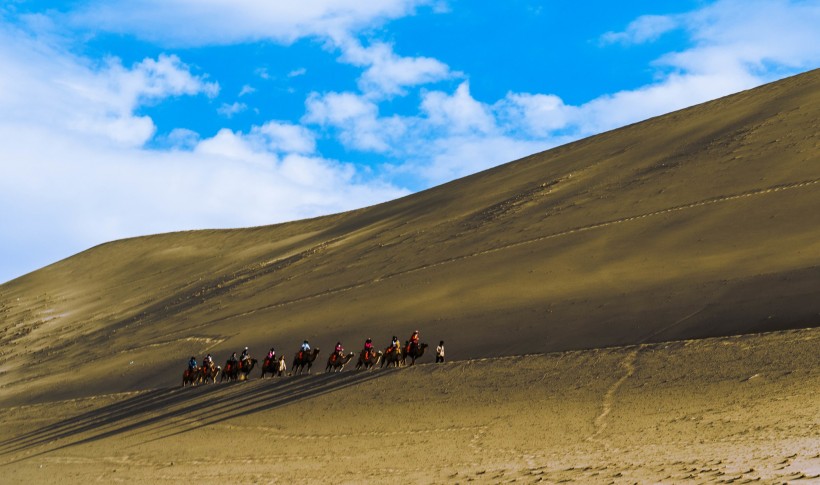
column 638, row 306
column 725, row 410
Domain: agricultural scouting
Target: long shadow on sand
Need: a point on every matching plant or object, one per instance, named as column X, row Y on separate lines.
column 171, row 411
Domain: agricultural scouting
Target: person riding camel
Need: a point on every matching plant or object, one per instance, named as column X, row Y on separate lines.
column 368, row 348
column 192, row 364
column 394, row 345
column 231, row 365
column 338, row 352
column 414, row 341
column 304, row 349
column 207, row 361
column 244, row 358
column 271, row 355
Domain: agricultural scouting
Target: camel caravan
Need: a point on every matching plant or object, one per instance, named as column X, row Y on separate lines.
column 239, row 368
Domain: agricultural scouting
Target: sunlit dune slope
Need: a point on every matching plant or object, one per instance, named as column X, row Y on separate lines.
column 703, row 222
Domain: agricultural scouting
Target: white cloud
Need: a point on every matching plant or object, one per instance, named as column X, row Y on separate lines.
column 76, row 173
column 732, row 35
column 459, row 113
column 229, row 110
column 297, row 72
column 454, row 156
column 536, row 114
column 754, row 36
column 453, row 135
column 198, row 22
column 246, row 89
column 646, row 28
column 357, row 119
column 734, row 46
column 42, row 84
column 387, row 73
column 195, row 23
column 182, row 138
column 288, row 138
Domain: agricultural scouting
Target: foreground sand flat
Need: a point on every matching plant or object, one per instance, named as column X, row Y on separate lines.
column 724, row 410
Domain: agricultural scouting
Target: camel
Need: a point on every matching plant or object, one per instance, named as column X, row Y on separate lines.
column 368, row 360
column 240, row 371
column 245, row 369
column 275, row 368
column 209, row 372
column 414, row 352
column 337, row 363
column 229, row 372
column 392, row 356
column 301, row 360
column 190, row 377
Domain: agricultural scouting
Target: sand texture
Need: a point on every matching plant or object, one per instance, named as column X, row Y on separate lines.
column 555, row 281
column 740, row 409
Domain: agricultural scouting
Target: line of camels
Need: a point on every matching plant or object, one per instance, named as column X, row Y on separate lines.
column 303, row 361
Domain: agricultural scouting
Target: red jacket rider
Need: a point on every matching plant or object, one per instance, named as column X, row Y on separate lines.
column 414, row 339
column 368, row 348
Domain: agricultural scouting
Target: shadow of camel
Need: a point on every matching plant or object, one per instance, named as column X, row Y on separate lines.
column 177, row 410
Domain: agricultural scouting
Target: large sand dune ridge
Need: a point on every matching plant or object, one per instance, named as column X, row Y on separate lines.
column 700, row 223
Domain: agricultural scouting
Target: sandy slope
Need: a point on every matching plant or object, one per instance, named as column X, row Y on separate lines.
column 726, row 410
column 699, row 223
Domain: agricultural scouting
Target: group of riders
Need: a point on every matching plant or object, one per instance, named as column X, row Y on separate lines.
column 243, row 362
column 232, row 363
column 368, row 351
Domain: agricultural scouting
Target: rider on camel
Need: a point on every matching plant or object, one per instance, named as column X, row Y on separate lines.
column 368, row 348
column 192, row 364
column 394, row 345
column 338, row 351
column 271, row 354
column 414, row 340
column 304, row 349
column 231, row 362
column 244, row 358
column 207, row 361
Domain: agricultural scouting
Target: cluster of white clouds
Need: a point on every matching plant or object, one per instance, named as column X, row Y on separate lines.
column 223, row 22
column 77, row 170
column 736, row 45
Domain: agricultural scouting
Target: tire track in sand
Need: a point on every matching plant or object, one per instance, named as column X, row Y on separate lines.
column 574, row 230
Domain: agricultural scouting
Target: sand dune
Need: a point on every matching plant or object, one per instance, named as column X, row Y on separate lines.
column 553, row 279
column 700, row 223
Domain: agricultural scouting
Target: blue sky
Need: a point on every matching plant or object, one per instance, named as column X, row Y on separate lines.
column 121, row 118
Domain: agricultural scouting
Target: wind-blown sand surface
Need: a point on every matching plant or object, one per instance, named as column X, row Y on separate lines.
column 725, row 410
